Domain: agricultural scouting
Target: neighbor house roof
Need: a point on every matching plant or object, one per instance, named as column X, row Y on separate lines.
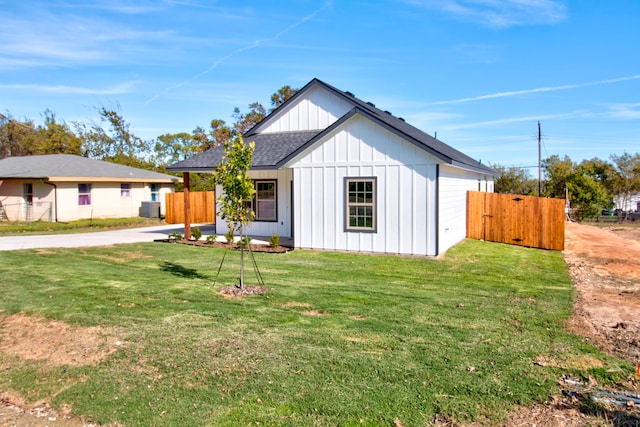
column 274, row 150
column 68, row 167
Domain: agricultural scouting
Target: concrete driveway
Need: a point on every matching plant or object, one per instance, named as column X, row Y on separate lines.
column 101, row 238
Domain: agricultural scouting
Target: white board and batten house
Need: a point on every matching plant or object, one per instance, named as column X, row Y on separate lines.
column 65, row 187
column 334, row 172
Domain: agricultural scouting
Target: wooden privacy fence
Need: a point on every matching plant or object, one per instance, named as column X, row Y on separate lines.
column 518, row 220
column 203, row 207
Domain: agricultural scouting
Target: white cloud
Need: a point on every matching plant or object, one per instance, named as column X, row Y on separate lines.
column 72, row 90
column 511, row 120
column 536, row 90
column 499, row 13
column 630, row 111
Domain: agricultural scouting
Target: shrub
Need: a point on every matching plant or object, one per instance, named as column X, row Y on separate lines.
column 274, row 241
column 174, row 235
column 211, row 238
column 229, row 236
column 196, row 233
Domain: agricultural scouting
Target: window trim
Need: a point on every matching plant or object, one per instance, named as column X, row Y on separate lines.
column 373, row 204
column 254, row 201
column 88, row 194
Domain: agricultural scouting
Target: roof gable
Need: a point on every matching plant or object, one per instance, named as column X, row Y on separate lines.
column 279, row 139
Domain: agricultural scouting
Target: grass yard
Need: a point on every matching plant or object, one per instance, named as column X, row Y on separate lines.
column 79, row 226
column 340, row 339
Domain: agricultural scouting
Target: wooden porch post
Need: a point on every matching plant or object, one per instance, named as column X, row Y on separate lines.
column 187, row 207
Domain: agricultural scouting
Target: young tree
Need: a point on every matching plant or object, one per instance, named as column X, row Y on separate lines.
column 238, row 189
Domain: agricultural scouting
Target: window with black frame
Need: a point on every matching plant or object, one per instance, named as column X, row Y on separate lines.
column 264, row 202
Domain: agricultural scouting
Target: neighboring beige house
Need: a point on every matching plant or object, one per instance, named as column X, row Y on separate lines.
column 64, row 187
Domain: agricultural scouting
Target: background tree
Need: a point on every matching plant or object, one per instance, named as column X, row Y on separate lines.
column 244, row 122
column 173, row 147
column 281, row 96
column 115, row 144
column 56, row 138
column 626, row 180
column 513, row 180
column 583, row 182
column 16, row 138
column 238, row 190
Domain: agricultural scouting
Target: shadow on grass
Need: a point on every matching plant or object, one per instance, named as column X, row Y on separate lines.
column 180, row 271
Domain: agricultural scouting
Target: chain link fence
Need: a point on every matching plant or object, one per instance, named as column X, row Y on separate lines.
column 26, row 212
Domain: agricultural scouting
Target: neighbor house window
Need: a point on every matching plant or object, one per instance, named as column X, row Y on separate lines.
column 27, row 193
column 360, row 204
column 264, row 201
column 125, row 190
column 155, row 193
column 84, row 194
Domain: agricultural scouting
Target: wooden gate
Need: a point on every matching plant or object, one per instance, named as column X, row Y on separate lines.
column 203, row 207
column 518, row 220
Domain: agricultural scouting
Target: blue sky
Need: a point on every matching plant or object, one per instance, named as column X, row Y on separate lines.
column 479, row 73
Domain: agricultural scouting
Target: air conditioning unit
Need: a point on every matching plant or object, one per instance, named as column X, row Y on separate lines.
column 150, row 210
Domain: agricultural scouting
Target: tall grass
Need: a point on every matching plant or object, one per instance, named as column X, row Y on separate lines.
column 339, row 339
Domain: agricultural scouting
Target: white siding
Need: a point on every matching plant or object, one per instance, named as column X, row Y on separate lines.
column 282, row 227
column 453, row 186
column 317, row 109
column 405, row 192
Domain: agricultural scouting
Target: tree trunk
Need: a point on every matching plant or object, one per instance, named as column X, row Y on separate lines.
column 241, row 258
column 187, row 207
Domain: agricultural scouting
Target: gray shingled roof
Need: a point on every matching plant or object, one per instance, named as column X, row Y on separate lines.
column 273, row 150
column 59, row 166
column 270, row 149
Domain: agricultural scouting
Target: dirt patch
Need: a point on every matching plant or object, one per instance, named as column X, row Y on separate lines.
column 234, row 291
column 604, row 263
column 605, row 267
column 54, row 342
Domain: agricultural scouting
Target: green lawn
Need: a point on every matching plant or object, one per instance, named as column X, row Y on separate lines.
column 79, row 226
column 340, row 339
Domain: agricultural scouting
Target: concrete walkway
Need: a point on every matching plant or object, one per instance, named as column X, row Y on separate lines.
column 101, row 238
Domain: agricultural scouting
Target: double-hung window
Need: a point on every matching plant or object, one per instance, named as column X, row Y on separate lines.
column 360, row 204
column 155, row 193
column 84, row 194
column 264, row 202
column 125, row 190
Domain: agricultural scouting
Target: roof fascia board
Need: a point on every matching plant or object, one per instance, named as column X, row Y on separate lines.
column 110, row 179
column 487, row 171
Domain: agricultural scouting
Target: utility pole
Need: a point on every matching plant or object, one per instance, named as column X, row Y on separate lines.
column 539, row 161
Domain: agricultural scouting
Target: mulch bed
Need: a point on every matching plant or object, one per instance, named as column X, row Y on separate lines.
column 235, row 291
column 222, row 245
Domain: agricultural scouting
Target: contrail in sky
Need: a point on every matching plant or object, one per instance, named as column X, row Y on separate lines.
column 250, row 46
column 536, row 90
